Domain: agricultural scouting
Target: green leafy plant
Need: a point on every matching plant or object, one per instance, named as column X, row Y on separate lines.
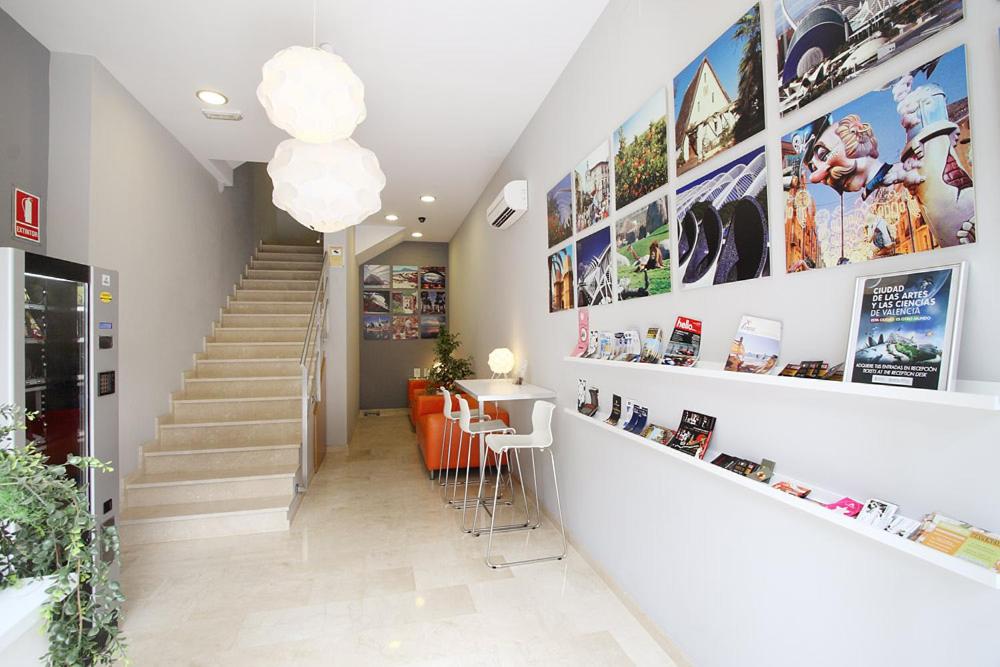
column 447, row 368
column 46, row 529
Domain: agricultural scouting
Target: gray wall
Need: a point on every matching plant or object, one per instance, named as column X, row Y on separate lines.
column 343, row 362
column 126, row 195
column 732, row 577
column 24, row 125
column 386, row 364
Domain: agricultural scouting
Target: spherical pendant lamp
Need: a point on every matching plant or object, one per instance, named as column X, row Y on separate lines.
column 326, row 187
column 312, row 94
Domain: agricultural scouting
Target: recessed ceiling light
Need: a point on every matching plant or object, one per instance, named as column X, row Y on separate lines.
column 427, row 199
column 392, row 217
column 212, row 97
column 417, row 235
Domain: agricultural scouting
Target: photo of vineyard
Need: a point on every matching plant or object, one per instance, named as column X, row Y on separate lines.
column 640, row 149
column 559, row 206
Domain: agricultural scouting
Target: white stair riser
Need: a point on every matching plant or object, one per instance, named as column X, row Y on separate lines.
column 249, row 368
column 270, row 308
column 175, row 494
column 251, row 294
column 241, row 389
column 219, row 461
column 316, row 249
column 236, row 410
column 251, row 351
column 246, row 434
column 262, row 320
column 281, row 274
column 208, row 526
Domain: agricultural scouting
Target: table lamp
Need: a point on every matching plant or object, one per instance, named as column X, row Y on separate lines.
column 501, row 361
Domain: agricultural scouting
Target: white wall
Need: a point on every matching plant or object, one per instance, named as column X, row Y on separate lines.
column 156, row 216
column 732, row 578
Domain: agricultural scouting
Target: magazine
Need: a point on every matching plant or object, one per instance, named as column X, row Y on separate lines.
column 631, row 346
column 616, row 410
column 582, row 333
column 764, row 471
column 812, row 369
column 657, row 433
column 789, row 371
column 605, row 345
column 626, row 415
column 684, row 345
column 755, row 348
column 877, row 513
column 905, row 328
column 845, row 506
column 638, row 422
column 651, row 347
column 793, row 489
column 735, row 464
column 693, row 434
column 836, row 373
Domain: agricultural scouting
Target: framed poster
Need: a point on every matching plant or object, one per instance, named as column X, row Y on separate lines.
column 905, row 328
column 561, row 279
column 559, row 211
column 404, row 277
column 642, row 241
column 640, row 149
column 595, row 269
column 376, row 275
column 592, row 188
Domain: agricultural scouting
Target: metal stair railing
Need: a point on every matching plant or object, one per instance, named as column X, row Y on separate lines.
column 310, row 366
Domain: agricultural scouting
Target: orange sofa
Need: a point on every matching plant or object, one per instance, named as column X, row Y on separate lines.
column 414, row 387
column 426, row 412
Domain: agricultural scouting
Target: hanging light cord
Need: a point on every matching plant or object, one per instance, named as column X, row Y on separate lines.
column 314, row 23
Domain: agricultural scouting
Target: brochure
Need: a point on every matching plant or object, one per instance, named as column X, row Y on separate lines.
column 592, row 343
column 693, row 434
column 582, row 332
column 626, row 415
column 735, row 464
column 651, row 347
column 764, row 471
column 943, row 533
column 836, row 373
column 605, row 345
column 902, row 526
column 905, row 328
column 616, row 410
column 877, row 513
column 581, row 394
column 755, row 348
column 684, row 345
column 631, row 346
column 793, row 489
column 789, row 371
column 657, row 433
column 981, row 548
column 845, row 506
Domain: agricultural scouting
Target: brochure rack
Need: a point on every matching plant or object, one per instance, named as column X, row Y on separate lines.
column 968, row 570
column 970, row 395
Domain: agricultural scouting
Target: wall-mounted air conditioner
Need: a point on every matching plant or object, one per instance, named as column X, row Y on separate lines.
column 509, row 206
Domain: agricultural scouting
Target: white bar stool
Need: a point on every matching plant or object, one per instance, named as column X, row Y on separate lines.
column 540, row 439
column 450, row 418
column 479, row 428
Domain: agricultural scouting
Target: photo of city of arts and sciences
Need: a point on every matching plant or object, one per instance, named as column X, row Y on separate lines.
column 824, row 43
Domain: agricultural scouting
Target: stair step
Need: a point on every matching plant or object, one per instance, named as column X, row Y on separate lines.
column 269, row 308
column 297, row 257
column 241, row 387
column 219, row 518
column 221, row 456
column 308, row 285
column 246, row 350
column 270, row 320
column 281, row 274
column 266, row 367
column 245, row 295
column 280, row 265
column 201, row 410
column 257, row 335
column 250, row 432
column 316, row 249
column 149, row 489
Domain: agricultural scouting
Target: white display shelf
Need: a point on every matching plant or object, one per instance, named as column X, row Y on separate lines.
column 968, row 570
column 970, row 394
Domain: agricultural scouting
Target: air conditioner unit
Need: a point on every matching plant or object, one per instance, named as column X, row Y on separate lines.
column 509, row 206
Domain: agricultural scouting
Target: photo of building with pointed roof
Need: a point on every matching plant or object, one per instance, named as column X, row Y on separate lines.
column 706, row 116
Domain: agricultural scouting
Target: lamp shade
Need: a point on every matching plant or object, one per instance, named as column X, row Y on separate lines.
column 312, row 94
column 326, row 187
column 501, row 361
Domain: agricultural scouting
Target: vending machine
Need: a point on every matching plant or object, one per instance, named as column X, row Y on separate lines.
column 59, row 358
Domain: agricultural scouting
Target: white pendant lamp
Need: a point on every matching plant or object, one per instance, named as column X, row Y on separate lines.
column 312, row 94
column 326, row 187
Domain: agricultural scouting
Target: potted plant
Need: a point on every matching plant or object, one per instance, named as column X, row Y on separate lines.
column 47, row 531
column 447, row 369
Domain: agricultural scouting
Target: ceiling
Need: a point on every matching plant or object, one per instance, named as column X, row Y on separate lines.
column 450, row 84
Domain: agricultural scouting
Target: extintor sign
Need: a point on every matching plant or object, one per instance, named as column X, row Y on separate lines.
column 26, row 216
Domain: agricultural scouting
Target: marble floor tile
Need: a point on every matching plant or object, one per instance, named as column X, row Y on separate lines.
column 375, row 570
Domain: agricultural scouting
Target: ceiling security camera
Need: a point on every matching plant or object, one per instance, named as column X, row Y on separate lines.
column 421, row 220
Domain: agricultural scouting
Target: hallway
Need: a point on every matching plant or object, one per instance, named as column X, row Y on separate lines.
column 374, row 571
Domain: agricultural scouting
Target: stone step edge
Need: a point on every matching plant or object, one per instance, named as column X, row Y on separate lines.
column 152, row 449
column 267, row 505
column 217, row 478
column 250, row 422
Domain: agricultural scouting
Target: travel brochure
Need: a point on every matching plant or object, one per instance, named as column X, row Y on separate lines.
column 755, row 348
column 403, row 302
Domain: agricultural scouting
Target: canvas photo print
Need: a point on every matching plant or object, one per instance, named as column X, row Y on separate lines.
column 377, row 327
column 433, row 302
column 642, row 240
column 431, row 325
column 592, row 188
column 824, row 43
column 561, row 279
column 595, row 269
column 404, row 277
column 433, row 277
column 719, row 97
column 887, row 174
column 559, row 211
column 376, row 275
column 405, row 327
column 640, row 150
column 722, row 224
column 404, row 303
column 375, row 301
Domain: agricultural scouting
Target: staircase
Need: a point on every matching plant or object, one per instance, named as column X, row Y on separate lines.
column 226, row 458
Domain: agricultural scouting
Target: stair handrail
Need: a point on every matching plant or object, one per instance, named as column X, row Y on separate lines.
column 310, row 360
